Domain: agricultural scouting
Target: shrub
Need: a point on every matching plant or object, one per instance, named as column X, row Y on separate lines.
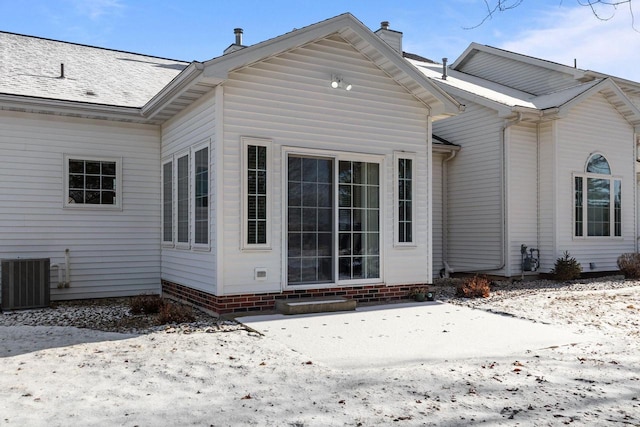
column 175, row 313
column 146, row 304
column 566, row 268
column 474, row 287
column 629, row 265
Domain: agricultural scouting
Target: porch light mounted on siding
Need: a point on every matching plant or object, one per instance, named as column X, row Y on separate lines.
column 338, row 82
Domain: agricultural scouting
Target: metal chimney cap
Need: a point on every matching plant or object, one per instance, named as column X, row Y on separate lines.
column 384, row 25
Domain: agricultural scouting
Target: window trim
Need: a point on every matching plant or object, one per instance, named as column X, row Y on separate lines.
column 168, row 243
column 192, row 197
column 245, row 142
column 83, row 206
column 397, row 156
column 382, row 160
column 585, row 176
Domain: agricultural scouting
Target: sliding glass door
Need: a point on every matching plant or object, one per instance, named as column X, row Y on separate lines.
column 317, row 230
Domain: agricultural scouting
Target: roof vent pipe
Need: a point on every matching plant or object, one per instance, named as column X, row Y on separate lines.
column 238, row 32
column 61, row 71
column 384, row 25
column 444, row 68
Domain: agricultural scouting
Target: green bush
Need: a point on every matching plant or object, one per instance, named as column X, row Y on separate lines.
column 566, row 268
column 474, row 287
column 629, row 265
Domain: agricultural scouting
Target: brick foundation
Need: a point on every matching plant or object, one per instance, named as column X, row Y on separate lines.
column 259, row 302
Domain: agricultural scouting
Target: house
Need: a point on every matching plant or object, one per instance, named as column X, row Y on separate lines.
column 547, row 162
column 296, row 166
column 306, row 165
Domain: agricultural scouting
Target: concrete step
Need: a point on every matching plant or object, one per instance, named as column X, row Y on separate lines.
column 314, row 305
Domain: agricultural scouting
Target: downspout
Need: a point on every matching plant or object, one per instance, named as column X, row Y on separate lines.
column 636, row 139
column 503, row 204
column 445, row 207
column 67, row 268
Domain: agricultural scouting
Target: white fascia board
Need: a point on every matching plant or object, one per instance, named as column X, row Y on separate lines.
column 178, row 86
column 70, row 108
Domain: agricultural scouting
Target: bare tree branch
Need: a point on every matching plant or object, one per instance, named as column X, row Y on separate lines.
column 603, row 10
column 500, row 6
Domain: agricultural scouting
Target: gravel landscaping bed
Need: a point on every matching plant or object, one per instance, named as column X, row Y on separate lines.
column 110, row 315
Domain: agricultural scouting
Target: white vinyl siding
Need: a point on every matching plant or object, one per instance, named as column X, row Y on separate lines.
column 288, row 99
column 112, row 252
column 516, row 74
column 594, row 126
column 188, row 263
column 474, row 189
column 547, row 193
column 522, row 153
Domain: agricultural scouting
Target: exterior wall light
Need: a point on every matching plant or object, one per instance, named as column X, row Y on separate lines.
column 338, row 82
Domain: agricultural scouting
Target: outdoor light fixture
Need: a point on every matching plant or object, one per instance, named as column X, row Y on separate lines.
column 338, row 82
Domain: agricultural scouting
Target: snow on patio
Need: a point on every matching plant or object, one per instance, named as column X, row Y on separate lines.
column 405, row 334
column 229, row 376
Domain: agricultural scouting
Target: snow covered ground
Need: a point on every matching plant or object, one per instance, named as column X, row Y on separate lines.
column 220, row 374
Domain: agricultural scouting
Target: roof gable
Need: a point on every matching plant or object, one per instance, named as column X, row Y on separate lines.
column 216, row 71
column 521, row 72
column 507, row 101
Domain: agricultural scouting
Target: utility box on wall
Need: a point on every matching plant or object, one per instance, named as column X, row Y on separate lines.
column 25, row 283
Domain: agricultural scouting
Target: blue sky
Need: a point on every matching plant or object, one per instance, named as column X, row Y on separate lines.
column 557, row 30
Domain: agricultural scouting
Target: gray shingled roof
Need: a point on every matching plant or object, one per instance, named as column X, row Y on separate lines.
column 30, row 66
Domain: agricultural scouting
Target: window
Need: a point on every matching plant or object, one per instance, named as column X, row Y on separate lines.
column 597, row 200
column 333, row 220
column 404, row 199
column 256, row 190
column 201, row 196
column 183, row 198
column 167, row 202
column 92, row 182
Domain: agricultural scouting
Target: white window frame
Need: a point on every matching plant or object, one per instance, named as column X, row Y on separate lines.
column 169, row 243
column 192, row 197
column 176, row 158
column 397, row 155
column 92, row 158
column 585, row 216
column 337, row 157
column 245, row 142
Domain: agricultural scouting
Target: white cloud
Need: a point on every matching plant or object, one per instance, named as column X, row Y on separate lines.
column 566, row 33
column 95, row 9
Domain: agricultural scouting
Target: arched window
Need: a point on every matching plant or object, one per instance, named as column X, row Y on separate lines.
column 597, row 201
